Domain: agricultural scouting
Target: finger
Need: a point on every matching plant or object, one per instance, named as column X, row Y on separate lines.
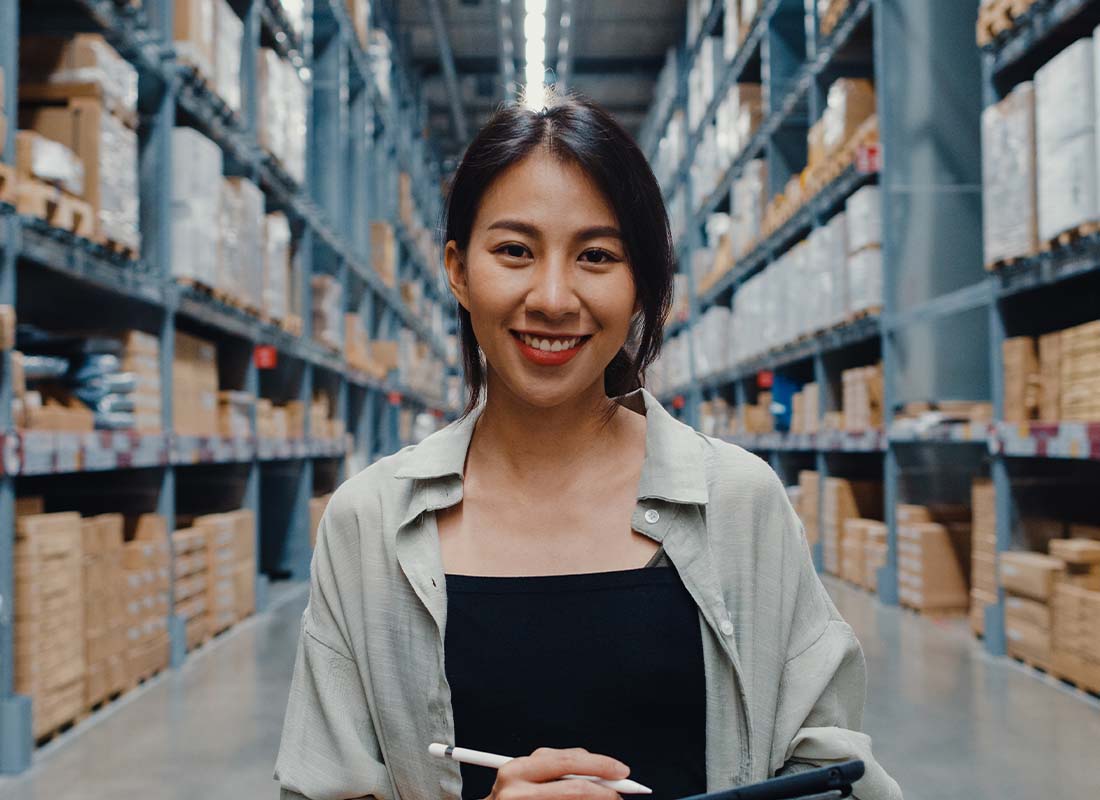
column 571, row 790
column 547, row 764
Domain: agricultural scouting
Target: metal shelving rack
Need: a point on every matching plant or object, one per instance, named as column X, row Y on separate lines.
column 933, row 332
column 1055, row 289
column 358, row 142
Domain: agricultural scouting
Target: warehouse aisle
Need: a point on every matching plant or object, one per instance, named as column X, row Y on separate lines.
column 209, row 730
column 947, row 721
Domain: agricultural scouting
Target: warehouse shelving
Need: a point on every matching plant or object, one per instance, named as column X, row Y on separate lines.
column 1051, row 284
column 947, row 314
column 329, row 214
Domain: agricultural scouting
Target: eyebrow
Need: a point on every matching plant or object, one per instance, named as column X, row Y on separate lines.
column 594, row 232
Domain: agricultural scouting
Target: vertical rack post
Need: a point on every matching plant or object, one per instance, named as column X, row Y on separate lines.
column 16, row 738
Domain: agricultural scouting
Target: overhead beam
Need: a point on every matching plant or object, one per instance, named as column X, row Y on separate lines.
column 450, row 75
column 647, row 66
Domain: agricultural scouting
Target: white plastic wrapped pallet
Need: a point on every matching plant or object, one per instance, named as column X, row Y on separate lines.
column 836, row 244
column 196, row 198
column 732, row 32
column 276, row 265
column 1065, row 113
column 195, row 35
column 229, row 35
column 864, row 217
column 865, row 280
column 1010, row 214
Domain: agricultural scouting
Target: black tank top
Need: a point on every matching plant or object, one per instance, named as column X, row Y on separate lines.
column 610, row 661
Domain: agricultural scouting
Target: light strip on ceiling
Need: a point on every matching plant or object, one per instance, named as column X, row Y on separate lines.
column 534, row 33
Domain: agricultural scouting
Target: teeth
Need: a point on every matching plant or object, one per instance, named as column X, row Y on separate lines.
column 554, row 346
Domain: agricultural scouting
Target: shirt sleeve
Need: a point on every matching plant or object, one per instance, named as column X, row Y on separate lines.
column 329, row 749
column 823, row 686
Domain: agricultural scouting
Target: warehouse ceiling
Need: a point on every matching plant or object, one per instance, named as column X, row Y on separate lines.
column 618, row 49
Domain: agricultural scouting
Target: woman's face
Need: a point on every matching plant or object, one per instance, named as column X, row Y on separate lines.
column 546, row 281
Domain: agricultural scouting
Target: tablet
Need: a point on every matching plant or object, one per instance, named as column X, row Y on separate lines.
column 824, row 780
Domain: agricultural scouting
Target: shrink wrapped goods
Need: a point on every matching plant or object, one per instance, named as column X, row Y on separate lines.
column 282, row 112
column 228, row 37
column 48, row 161
column 53, row 68
column 1065, row 113
column 1008, row 170
column 276, row 266
column 108, row 150
column 196, row 200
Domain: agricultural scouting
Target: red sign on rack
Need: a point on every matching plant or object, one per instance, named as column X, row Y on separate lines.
column 266, row 356
column 678, row 402
column 765, row 379
column 394, row 398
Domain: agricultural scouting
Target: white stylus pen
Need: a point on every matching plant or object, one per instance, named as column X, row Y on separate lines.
column 464, row 756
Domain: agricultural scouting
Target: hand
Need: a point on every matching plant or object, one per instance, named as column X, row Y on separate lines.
column 537, row 776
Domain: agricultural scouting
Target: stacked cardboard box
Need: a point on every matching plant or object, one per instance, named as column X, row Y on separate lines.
column 1029, row 580
column 146, row 566
column 804, row 416
column 228, row 39
column 323, row 424
column 1080, row 373
column 850, row 102
column 208, row 37
column 49, row 617
column 383, row 251
column 1011, row 230
column 244, row 558
column 42, row 159
column 983, row 552
column 875, row 552
column 1050, row 377
column 853, row 552
column 359, row 12
column 1075, row 608
column 1021, row 375
column 933, row 554
column 50, row 408
column 384, row 355
column 195, row 386
column 235, row 410
column 1065, row 113
column 221, row 544
column 104, row 608
column 190, row 584
column 862, row 398
column 845, row 500
column 141, row 357
column 809, row 484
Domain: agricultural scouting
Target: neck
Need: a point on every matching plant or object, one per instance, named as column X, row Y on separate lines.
column 547, row 445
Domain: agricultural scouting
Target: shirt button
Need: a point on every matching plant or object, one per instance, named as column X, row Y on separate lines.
column 652, row 516
column 726, row 627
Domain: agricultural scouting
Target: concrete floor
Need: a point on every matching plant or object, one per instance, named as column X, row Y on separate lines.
column 948, row 722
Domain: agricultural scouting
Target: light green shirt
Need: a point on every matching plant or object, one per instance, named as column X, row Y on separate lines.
column 785, row 676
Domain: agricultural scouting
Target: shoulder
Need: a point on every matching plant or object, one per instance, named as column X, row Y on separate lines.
column 734, row 474
column 367, row 499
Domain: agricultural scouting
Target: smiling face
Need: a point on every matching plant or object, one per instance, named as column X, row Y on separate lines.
column 546, row 281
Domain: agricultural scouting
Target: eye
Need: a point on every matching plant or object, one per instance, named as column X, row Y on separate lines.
column 513, row 250
column 598, row 256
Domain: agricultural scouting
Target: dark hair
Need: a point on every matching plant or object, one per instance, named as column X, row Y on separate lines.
column 574, row 128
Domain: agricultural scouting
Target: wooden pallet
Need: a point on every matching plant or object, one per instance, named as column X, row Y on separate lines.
column 292, row 324
column 998, row 17
column 122, row 249
column 56, row 208
column 1066, row 238
column 1005, row 263
column 99, row 705
column 864, row 313
column 8, row 184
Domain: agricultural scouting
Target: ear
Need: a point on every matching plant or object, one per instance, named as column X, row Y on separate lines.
column 456, row 274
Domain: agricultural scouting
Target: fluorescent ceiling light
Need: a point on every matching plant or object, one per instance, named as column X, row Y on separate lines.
column 534, row 31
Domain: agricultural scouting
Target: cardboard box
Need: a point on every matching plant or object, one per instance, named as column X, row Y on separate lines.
column 850, row 102
column 195, row 386
column 1026, row 610
column 195, row 31
column 1050, row 377
column 1021, row 377
column 930, row 567
column 383, row 250
column 54, row 69
column 1030, row 574
column 1076, row 551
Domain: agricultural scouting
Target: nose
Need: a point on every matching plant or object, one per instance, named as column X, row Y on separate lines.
column 552, row 294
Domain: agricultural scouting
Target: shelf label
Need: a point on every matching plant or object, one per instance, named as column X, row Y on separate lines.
column 869, row 158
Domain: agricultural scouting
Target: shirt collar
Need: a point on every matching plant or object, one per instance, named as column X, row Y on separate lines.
column 673, row 468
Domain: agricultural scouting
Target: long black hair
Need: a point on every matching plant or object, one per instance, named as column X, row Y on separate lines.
column 574, row 128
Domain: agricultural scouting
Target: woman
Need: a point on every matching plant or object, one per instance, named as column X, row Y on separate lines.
column 567, row 571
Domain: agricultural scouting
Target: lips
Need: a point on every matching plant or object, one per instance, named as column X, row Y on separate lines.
column 549, row 358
